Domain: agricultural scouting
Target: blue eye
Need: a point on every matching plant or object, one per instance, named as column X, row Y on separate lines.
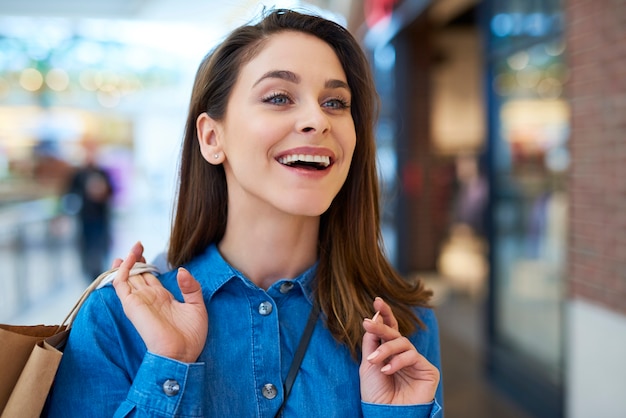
column 337, row 103
column 277, row 99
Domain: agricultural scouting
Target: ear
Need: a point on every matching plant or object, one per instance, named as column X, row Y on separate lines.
column 209, row 139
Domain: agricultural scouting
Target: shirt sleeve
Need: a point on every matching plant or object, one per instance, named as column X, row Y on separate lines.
column 164, row 388
column 107, row 371
column 428, row 410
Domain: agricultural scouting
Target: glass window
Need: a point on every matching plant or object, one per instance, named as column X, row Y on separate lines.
column 530, row 201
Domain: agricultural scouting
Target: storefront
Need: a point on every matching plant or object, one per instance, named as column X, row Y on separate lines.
column 487, row 80
column 527, row 160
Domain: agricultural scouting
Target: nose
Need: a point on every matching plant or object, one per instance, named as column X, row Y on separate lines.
column 313, row 119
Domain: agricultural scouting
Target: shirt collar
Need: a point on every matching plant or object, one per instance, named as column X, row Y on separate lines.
column 213, row 271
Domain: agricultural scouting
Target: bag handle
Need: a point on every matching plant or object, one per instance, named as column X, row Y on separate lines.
column 300, row 352
column 100, row 281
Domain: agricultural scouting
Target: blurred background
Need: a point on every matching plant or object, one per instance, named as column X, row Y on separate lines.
column 501, row 153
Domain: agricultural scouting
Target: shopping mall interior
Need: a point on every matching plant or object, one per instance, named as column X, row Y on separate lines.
column 473, row 152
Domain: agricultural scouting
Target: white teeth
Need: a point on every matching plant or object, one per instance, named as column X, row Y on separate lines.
column 321, row 159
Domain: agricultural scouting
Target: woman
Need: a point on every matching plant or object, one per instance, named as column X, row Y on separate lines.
column 277, row 218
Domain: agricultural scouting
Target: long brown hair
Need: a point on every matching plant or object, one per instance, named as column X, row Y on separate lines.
column 352, row 269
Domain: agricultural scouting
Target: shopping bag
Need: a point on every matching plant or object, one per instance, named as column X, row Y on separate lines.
column 30, row 356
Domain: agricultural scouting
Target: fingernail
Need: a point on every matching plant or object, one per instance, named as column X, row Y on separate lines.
column 386, row 368
column 375, row 317
column 373, row 355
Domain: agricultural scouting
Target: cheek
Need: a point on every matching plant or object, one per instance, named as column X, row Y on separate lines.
column 259, row 131
column 349, row 146
column 349, row 130
column 349, row 143
column 245, row 134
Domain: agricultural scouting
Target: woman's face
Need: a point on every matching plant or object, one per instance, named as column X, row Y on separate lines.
column 288, row 136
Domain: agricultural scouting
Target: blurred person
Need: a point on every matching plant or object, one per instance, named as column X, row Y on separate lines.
column 472, row 194
column 463, row 257
column 277, row 221
column 89, row 196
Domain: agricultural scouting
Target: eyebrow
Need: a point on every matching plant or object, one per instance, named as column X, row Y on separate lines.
column 295, row 78
column 282, row 74
column 336, row 84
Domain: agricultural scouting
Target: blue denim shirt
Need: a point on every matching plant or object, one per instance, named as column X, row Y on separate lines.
column 253, row 334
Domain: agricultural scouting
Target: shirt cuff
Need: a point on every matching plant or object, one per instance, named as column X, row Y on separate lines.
column 427, row 410
column 168, row 387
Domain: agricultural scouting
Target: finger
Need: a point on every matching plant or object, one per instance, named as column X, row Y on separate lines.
column 138, row 249
column 151, row 279
column 381, row 330
column 409, row 358
column 137, row 282
column 384, row 352
column 370, row 340
column 385, row 312
column 116, row 263
column 390, row 349
column 123, row 272
column 189, row 287
column 141, row 282
column 121, row 285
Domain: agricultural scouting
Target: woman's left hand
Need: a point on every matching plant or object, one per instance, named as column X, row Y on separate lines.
column 392, row 371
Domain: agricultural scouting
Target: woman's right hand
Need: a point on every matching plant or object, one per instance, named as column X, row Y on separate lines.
column 168, row 327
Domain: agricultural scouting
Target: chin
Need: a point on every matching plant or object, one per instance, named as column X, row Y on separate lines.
column 307, row 209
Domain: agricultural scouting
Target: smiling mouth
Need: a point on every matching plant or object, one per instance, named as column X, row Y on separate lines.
column 309, row 162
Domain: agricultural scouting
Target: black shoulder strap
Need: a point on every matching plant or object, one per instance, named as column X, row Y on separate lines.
column 297, row 358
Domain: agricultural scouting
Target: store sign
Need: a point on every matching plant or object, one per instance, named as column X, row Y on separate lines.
column 525, row 24
column 376, row 11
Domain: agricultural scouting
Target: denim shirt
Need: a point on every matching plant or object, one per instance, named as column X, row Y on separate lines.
column 253, row 334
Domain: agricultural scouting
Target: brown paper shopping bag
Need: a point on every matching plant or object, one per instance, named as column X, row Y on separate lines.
column 30, row 356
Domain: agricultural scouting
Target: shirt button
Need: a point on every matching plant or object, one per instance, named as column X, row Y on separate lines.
column 286, row 287
column 171, row 387
column 265, row 308
column 269, row 391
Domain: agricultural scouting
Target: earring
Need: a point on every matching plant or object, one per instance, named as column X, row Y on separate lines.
column 216, row 156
